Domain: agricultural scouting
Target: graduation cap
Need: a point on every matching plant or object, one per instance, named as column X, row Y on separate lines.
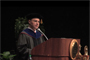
column 34, row 15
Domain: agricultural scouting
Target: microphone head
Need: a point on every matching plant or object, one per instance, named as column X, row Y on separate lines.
column 38, row 29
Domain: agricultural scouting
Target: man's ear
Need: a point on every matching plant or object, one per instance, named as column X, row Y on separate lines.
column 29, row 21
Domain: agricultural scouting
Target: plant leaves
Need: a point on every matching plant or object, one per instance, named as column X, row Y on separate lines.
column 10, row 56
column 6, row 54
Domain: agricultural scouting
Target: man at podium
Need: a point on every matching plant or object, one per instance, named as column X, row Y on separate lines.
column 29, row 37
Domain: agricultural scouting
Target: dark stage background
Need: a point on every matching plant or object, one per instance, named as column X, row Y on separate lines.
column 60, row 21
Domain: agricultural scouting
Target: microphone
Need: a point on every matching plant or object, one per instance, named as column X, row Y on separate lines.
column 42, row 33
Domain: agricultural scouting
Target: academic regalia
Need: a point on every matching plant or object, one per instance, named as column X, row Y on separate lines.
column 28, row 39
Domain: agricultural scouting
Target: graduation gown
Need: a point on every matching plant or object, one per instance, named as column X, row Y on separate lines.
column 27, row 41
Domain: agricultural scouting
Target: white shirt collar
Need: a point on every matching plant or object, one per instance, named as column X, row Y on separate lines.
column 31, row 29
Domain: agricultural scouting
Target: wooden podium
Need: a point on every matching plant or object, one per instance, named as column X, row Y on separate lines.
column 53, row 49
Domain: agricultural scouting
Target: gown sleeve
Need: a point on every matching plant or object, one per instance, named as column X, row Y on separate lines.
column 23, row 50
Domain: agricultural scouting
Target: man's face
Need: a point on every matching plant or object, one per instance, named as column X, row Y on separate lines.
column 34, row 23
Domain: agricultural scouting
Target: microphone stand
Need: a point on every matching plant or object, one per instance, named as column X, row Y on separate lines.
column 42, row 33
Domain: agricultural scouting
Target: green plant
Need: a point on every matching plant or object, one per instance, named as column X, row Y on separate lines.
column 6, row 56
column 20, row 24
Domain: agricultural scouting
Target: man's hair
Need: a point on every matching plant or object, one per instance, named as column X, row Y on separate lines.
column 34, row 15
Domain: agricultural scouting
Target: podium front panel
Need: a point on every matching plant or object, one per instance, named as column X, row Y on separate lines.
column 54, row 48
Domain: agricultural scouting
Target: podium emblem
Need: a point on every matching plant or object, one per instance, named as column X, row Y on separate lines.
column 74, row 47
